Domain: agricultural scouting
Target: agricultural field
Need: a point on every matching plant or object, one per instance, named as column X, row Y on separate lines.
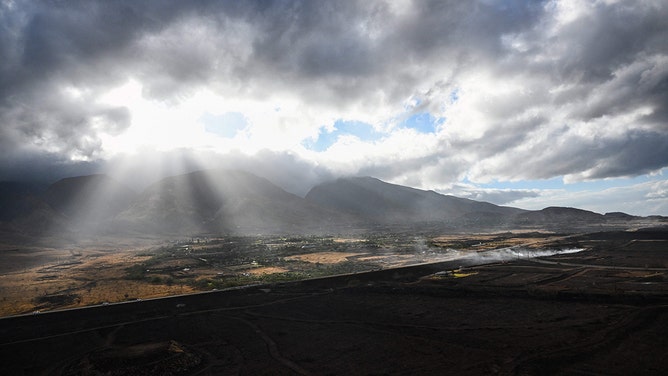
column 50, row 279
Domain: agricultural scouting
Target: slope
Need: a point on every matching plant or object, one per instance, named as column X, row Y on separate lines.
column 223, row 201
column 384, row 203
column 88, row 201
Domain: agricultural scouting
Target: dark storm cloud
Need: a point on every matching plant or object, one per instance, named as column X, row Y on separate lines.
column 608, row 61
column 86, row 45
column 607, row 117
column 583, row 157
column 636, row 153
column 53, row 122
column 52, row 46
column 43, row 167
column 613, row 35
column 314, row 39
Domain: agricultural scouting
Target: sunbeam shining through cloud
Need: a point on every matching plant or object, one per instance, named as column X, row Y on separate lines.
column 528, row 103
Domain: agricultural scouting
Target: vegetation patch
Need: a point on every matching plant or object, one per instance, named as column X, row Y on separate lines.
column 56, row 300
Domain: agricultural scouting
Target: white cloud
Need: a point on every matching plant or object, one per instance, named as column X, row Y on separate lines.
column 528, row 90
column 640, row 199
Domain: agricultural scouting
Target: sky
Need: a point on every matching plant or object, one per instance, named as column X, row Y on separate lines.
column 520, row 103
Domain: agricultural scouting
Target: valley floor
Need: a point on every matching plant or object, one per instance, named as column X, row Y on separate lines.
column 41, row 279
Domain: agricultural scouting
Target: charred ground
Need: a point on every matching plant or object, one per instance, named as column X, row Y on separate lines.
column 600, row 311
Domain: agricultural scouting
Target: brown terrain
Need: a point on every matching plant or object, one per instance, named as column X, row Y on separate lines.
column 602, row 311
column 39, row 279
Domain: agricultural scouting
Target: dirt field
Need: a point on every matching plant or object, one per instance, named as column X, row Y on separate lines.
column 267, row 270
column 324, row 257
column 77, row 279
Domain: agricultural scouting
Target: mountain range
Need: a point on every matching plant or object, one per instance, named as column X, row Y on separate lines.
column 233, row 201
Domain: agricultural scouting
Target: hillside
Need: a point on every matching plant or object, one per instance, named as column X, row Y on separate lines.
column 25, row 215
column 17, row 198
column 88, row 200
column 232, row 201
column 223, row 201
column 555, row 214
column 384, row 203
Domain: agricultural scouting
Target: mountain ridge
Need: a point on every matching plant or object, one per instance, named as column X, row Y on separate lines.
column 235, row 201
column 389, row 203
column 224, row 200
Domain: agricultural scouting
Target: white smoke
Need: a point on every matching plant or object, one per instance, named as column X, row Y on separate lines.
column 425, row 253
column 507, row 254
